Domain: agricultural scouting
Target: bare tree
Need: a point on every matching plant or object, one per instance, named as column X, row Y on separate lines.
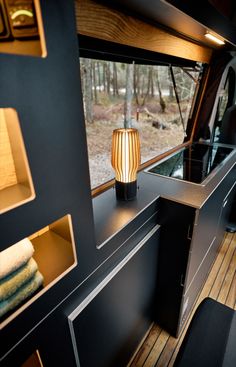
column 108, row 75
column 128, row 96
column 115, row 81
column 147, row 87
column 99, row 75
column 161, row 99
column 137, row 83
column 171, row 88
column 88, row 98
column 94, row 82
column 104, row 67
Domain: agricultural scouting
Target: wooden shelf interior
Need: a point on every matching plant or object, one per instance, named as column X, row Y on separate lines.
column 16, row 186
column 33, row 361
column 26, row 46
column 54, row 249
column 55, row 255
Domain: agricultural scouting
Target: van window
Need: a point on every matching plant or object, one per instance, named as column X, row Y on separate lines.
column 155, row 99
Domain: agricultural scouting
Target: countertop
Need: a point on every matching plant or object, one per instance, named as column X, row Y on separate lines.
column 110, row 215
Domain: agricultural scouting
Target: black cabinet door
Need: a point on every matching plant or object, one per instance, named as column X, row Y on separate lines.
column 108, row 325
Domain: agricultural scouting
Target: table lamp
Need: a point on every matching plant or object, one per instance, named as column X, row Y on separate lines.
column 125, row 160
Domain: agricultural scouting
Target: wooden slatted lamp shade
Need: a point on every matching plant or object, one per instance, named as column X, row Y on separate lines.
column 125, row 160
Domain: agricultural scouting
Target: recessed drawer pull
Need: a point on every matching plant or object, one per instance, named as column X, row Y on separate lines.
column 225, row 203
column 182, row 280
column 189, row 237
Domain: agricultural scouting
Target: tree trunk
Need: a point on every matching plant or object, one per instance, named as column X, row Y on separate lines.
column 128, row 96
column 82, row 69
column 151, row 82
column 94, row 82
column 171, row 88
column 162, row 101
column 115, row 82
column 148, row 85
column 104, row 67
column 108, row 72
column 99, row 76
column 136, row 84
column 88, row 99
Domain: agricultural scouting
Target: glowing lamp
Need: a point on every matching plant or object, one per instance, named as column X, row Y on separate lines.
column 125, row 160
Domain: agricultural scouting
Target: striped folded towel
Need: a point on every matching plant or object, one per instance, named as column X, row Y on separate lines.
column 24, row 292
column 11, row 283
column 15, row 256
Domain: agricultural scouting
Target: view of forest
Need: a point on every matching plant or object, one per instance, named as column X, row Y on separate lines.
column 132, row 95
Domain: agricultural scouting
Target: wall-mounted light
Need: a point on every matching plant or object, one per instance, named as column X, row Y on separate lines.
column 125, row 160
column 213, row 38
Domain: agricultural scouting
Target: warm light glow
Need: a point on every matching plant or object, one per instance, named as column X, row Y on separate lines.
column 125, row 157
column 17, row 13
column 214, row 39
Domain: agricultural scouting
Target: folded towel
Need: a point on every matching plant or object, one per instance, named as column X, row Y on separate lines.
column 24, row 292
column 15, row 280
column 15, row 256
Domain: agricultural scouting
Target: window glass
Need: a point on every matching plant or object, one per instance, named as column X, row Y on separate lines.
column 223, row 100
column 221, row 108
column 119, row 95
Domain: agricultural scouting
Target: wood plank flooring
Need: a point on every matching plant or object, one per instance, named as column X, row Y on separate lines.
column 159, row 349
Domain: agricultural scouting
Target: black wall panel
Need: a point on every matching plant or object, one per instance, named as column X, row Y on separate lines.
column 47, row 96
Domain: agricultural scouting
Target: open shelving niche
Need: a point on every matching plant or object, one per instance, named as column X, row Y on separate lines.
column 25, row 37
column 55, row 255
column 16, row 185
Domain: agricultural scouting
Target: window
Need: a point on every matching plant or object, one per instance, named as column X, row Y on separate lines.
column 155, row 99
column 225, row 100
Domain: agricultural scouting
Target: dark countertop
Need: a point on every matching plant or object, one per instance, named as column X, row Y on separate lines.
column 110, row 215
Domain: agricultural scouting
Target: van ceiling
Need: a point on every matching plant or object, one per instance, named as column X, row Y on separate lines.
column 189, row 18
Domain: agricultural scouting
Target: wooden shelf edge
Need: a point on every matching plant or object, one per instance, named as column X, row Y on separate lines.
column 13, row 196
column 39, row 245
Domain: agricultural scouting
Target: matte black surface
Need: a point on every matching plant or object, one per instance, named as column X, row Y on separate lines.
column 175, row 220
column 126, row 191
column 188, row 250
column 106, row 50
column 228, row 127
column 46, row 94
column 209, row 224
column 210, row 339
column 111, row 326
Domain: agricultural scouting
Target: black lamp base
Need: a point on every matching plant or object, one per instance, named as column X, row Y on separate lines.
column 126, row 190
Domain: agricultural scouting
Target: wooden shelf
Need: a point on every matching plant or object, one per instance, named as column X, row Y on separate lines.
column 55, row 255
column 34, row 46
column 54, row 250
column 16, row 186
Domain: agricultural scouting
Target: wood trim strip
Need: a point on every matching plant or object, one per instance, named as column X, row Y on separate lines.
column 107, row 185
column 99, row 21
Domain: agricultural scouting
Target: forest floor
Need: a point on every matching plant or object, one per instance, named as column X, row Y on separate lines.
column 154, row 140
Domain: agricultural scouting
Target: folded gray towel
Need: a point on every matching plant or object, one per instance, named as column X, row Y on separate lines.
column 15, row 280
column 24, row 292
column 15, row 256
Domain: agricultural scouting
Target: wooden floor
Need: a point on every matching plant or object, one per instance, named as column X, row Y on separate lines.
column 159, row 349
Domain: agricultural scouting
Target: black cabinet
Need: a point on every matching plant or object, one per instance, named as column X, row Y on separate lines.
column 109, row 324
column 190, row 240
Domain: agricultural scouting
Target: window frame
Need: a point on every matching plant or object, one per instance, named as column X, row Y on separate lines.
column 94, row 48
